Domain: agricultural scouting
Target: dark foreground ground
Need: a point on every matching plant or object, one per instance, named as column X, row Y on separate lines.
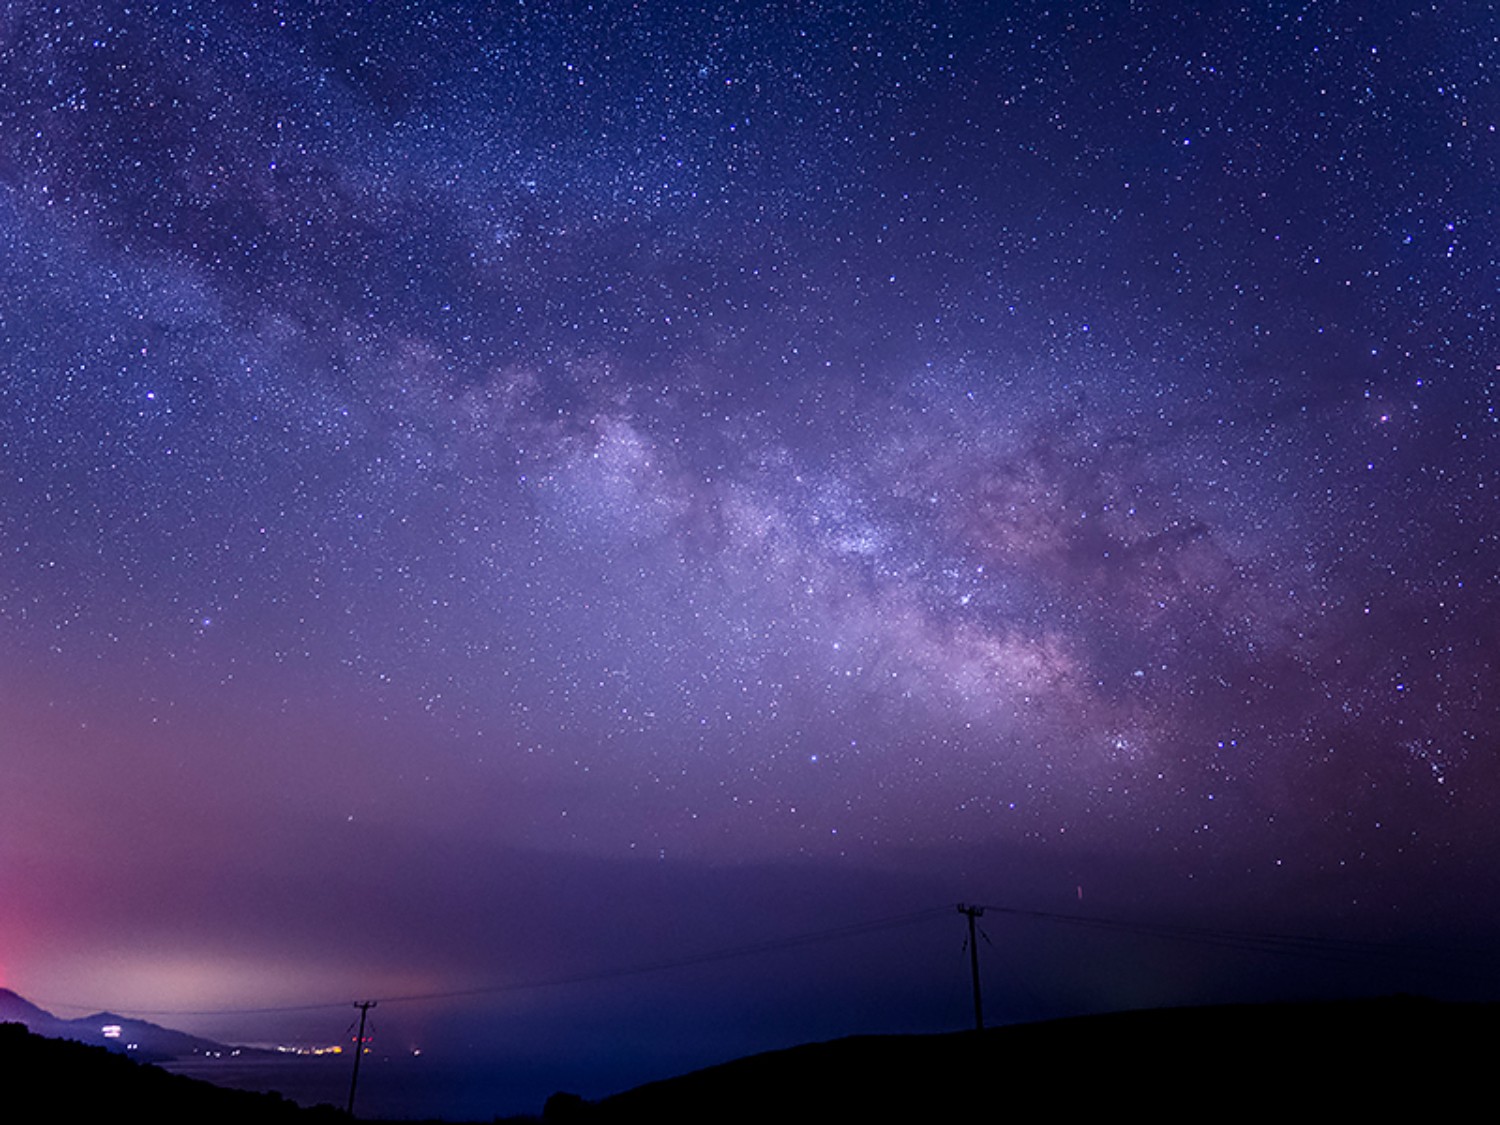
column 1397, row 1056
column 46, row 1080
column 1300, row 1061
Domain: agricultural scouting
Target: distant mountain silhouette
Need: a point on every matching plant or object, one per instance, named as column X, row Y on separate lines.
column 1388, row 1057
column 56, row 1080
column 15, row 1008
column 146, row 1041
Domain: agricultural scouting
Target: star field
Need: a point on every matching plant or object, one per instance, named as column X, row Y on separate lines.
column 846, row 434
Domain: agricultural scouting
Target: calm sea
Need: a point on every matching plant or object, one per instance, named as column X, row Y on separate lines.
column 420, row 1087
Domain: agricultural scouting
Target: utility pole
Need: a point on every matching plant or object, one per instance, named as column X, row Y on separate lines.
column 364, row 1007
column 974, row 912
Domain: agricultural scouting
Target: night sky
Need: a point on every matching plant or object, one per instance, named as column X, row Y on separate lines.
column 496, row 492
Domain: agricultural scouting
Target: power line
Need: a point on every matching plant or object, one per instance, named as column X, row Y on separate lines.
column 974, row 912
column 364, row 1007
column 1296, row 945
column 855, row 929
column 1347, row 950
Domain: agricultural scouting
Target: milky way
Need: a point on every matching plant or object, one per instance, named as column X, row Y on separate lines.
column 795, row 434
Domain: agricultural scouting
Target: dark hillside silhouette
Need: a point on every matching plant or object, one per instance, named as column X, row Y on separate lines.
column 1395, row 1056
column 62, row 1080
